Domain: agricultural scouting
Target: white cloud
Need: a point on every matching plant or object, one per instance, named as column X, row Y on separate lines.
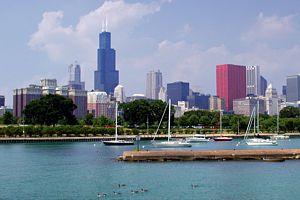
column 182, row 61
column 271, row 27
column 64, row 44
column 178, row 60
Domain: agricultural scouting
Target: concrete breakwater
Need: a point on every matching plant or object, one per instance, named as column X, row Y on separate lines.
column 191, row 155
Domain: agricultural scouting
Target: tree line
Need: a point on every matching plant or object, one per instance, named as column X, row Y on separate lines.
column 53, row 110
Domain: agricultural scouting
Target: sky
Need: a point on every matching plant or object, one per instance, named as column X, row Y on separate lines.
column 185, row 40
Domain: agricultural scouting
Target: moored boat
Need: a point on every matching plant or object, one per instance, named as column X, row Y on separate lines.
column 116, row 141
column 279, row 137
column 197, row 138
column 260, row 142
column 170, row 143
column 222, row 138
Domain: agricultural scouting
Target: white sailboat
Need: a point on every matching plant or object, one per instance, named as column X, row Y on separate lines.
column 116, row 141
column 170, row 143
column 256, row 141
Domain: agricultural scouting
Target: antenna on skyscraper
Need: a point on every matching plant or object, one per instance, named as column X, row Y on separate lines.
column 106, row 23
column 102, row 29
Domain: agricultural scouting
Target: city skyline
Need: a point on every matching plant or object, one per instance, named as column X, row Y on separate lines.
column 185, row 47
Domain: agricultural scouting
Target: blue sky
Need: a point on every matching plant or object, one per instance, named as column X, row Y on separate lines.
column 184, row 39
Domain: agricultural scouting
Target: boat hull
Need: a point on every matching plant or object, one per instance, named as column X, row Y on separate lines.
column 196, row 140
column 118, row 143
column 260, row 142
column 223, row 139
column 172, row 144
column 279, row 137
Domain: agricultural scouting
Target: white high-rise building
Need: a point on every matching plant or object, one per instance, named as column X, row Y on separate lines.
column 75, row 77
column 119, row 94
column 48, row 86
column 253, row 80
column 272, row 105
column 162, row 95
column 153, row 84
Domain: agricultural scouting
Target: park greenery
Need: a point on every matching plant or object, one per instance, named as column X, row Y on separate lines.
column 49, row 110
column 52, row 115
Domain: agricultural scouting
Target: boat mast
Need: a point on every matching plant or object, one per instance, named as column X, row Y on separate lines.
column 221, row 131
column 169, row 121
column 258, row 116
column 277, row 118
column 147, row 125
column 254, row 119
column 116, row 129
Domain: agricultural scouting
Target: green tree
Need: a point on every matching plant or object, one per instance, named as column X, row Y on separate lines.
column 49, row 110
column 184, row 121
column 289, row 124
column 137, row 112
column 88, row 120
column 193, row 120
column 103, row 121
column 204, row 120
column 8, row 118
column 290, row 112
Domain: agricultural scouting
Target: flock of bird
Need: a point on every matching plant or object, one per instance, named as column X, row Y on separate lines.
column 103, row 195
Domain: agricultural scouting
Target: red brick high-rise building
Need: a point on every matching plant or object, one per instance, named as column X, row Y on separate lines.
column 231, row 83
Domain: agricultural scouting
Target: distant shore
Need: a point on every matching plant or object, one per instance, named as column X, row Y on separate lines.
column 126, row 137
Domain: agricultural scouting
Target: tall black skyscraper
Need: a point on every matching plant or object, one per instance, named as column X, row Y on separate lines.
column 75, row 77
column 2, row 100
column 293, row 88
column 178, row 91
column 106, row 75
column 263, row 85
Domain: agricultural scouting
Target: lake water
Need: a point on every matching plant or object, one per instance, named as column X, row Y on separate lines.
column 82, row 170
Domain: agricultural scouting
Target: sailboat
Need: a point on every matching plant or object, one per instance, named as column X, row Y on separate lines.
column 170, row 143
column 222, row 138
column 256, row 141
column 116, row 141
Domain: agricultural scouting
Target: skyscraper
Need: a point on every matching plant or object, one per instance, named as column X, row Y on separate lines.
column 197, row 100
column 178, row 91
column 271, row 101
column 293, row 88
column 231, row 83
column 153, row 84
column 263, row 85
column 75, row 77
column 216, row 103
column 253, row 80
column 106, row 75
column 119, row 94
column 79, row 98
column 2, row 100
column 24, row 96
column 284, row 90
column 99, row 104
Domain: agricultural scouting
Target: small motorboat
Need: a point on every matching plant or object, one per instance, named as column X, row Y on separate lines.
column 197, row 138
column 222, row 138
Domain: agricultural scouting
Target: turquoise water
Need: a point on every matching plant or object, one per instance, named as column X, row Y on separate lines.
column 82, row 170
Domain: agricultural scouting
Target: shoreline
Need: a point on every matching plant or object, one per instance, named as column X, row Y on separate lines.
column 125, row 137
